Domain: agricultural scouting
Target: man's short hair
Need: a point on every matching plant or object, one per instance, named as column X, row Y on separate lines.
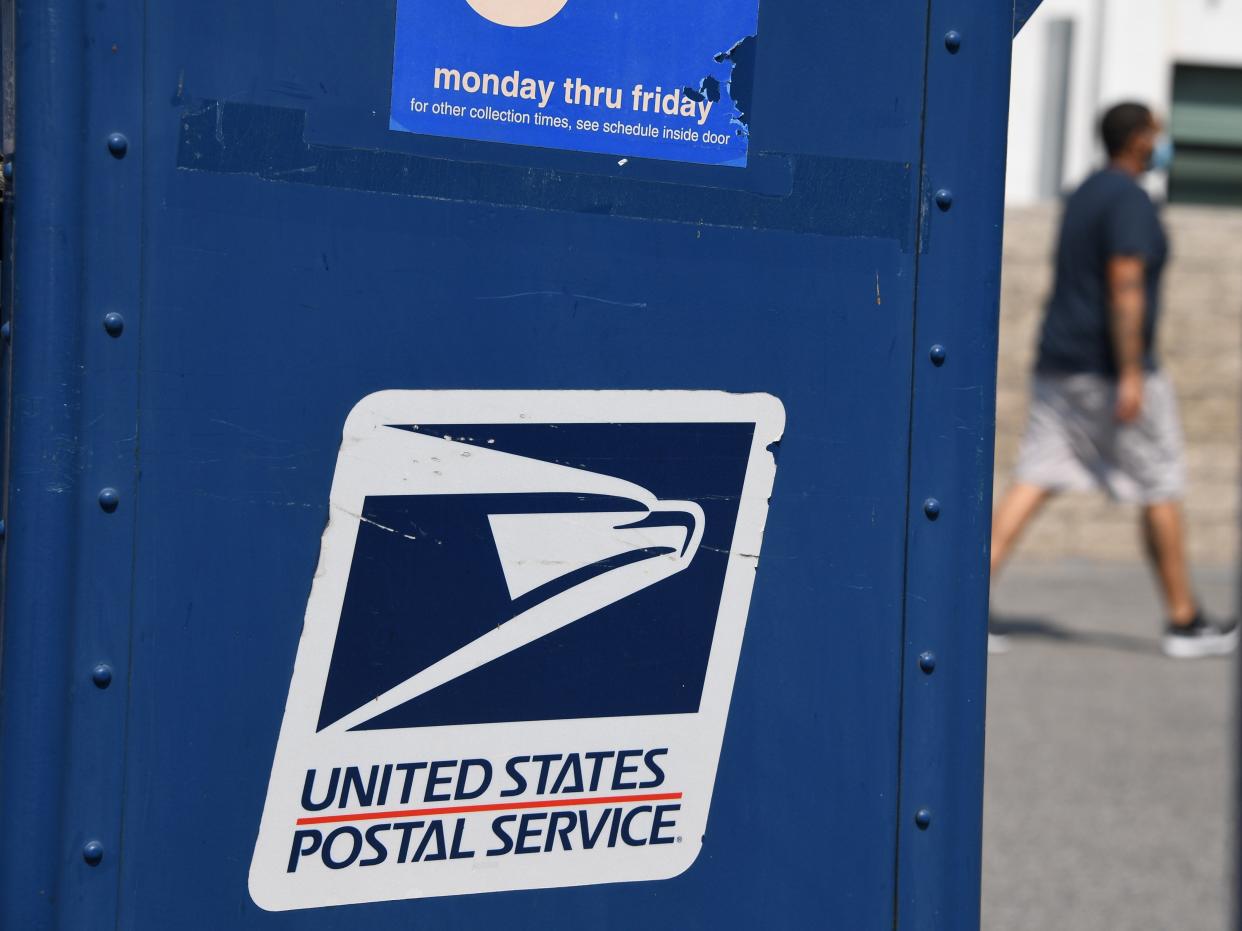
column 1120, row 124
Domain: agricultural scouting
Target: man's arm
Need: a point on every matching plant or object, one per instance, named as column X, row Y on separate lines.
column 1127, row 289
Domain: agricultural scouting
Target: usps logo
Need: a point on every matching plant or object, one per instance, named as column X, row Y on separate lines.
column 520, row 643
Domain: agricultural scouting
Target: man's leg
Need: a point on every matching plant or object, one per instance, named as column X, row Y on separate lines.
column 1166, row 547
column 1017, row 506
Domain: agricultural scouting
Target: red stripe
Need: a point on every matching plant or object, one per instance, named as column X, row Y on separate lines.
column 503, row 806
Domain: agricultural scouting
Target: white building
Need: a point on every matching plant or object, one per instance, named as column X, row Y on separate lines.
column 1077, row 57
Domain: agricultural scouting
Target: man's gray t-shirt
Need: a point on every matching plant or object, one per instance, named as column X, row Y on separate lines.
column 1107, row 217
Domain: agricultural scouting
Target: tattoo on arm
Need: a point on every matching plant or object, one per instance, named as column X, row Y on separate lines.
column 1127, row 281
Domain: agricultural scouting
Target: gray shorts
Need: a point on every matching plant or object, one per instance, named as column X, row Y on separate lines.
column 1073, row 441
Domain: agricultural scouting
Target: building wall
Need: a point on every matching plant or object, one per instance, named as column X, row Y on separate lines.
column 1030, row 84
column 1122, row 49
column 1207, row 32
column 1201, row 345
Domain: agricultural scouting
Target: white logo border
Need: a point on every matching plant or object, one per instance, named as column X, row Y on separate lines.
column 372, row 461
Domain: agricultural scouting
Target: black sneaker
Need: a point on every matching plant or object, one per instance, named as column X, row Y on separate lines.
column 1201, row 637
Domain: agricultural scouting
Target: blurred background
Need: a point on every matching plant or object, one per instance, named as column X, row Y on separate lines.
column 1110, row 780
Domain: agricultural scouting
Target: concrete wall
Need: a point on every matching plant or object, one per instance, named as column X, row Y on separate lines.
column 1201, row 345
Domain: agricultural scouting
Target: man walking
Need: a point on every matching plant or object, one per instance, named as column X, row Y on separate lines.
column 1102, row 414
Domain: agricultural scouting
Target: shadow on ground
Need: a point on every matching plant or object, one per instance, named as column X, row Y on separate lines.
column 1018, row 628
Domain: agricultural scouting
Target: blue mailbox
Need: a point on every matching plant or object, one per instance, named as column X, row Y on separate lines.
column 489, row 463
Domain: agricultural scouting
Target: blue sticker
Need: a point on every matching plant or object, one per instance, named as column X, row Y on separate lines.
column 663, row 79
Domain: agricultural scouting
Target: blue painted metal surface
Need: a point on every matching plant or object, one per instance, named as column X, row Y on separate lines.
column 277, row 254
column 1023, row 10
column 951, row 444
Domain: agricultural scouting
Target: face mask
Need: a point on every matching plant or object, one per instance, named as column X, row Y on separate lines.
column 1162, row 154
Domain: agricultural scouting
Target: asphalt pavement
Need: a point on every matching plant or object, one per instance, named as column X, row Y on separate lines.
column 1109, row 799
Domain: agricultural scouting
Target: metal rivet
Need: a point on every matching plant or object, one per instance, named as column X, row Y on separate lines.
column 92, row 852
column 927, row 662
column 923, row 818
column 109, row 498
column 953, row 41
column 937, row 355
column 101, row 675
column 8, row 171
column 114, row 323
column 931, row 507
column 944, row 198
column 118, row 145
column 6, row 331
